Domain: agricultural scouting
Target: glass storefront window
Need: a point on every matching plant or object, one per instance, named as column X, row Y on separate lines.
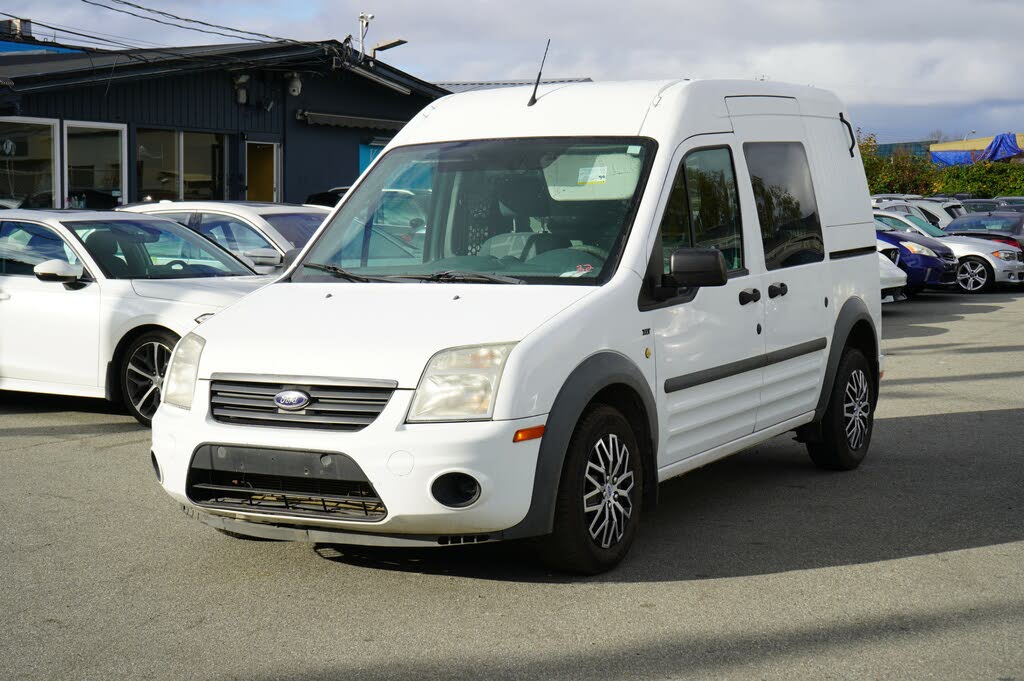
column 204, row 166
column 156, row 163
column 94, row 157
column 26, row 164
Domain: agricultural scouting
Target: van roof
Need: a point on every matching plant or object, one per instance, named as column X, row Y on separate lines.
column 598, row 109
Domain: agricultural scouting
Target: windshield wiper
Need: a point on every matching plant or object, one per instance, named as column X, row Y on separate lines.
column 340, row 273
column 456, row 276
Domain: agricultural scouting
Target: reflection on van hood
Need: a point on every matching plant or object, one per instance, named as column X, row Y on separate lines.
column 217, row 292
column 371, row 331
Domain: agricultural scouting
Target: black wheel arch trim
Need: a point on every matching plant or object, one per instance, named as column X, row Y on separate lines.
column 594, row 374
column 854, row 310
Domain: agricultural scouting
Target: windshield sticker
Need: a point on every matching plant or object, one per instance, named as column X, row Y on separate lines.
column 581, row 270
column 593, row 175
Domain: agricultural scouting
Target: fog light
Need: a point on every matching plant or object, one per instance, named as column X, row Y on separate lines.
column 455, row 490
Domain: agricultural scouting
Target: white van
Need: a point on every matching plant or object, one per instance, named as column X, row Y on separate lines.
column 611, row 287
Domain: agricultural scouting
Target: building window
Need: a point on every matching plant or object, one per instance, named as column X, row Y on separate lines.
column 28, row 149
column 180, row 165
column 204, row 166
column 95, row 171
column 156, row 163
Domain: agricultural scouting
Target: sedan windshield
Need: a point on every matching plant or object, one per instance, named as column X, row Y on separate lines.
column 537, row 211
column 926, row 227
column 1007, row 223
column 298, row 228
column 153, row 249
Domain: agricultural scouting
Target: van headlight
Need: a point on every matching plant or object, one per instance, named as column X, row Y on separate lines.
column 460, row 384
column 180, row 382
column 918, row 249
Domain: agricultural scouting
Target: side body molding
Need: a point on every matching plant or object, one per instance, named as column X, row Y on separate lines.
column 595, row 373
column 854, row 310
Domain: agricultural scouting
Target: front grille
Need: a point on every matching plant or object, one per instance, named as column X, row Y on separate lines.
column 282, row 482
column 331, row 407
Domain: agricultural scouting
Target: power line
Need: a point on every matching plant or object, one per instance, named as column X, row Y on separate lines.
column 168, row 23
column 201, row 23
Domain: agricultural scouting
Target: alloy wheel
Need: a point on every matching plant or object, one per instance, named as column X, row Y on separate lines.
column 971, row 276
column 608, row 491
column 856, row 409
column 145, row 376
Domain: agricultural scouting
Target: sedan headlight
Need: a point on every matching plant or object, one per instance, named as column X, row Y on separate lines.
column 918, row 249
column 460, row 384
column 1005, row 255
column 180, row 382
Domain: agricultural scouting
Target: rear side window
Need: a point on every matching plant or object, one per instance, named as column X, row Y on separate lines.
column 703, row 209
column 786, row 208
column 232, row 234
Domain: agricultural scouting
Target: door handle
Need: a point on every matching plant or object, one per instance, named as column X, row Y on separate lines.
column 5, row 296
column 776, row 290
column 749, row 295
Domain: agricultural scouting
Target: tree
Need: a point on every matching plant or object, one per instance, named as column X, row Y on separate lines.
column 901, row 173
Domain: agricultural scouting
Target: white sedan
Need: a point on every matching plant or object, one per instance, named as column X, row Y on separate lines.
column 259, row 232
column 92, row 303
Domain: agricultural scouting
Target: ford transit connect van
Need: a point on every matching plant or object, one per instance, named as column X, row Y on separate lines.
column 611, row 287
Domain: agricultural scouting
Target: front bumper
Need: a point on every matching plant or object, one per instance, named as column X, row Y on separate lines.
column 1009, row 271
column 401, row 462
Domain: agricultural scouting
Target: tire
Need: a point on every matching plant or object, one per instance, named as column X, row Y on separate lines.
column 603, row 472
column 850, row 416
column 142, row 370
column 974, row 275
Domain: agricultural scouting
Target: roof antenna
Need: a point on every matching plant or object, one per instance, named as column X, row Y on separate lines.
column 533, row 97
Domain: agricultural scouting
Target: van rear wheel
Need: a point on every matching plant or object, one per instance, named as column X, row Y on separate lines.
column 597, row 511
column 850, row 416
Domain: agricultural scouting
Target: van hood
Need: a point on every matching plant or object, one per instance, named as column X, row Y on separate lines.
column 371, row 331
column 215, row 292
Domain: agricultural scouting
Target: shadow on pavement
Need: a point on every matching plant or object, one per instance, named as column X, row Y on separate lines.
column 36, row 403
column 930, row 484
column 661, row 657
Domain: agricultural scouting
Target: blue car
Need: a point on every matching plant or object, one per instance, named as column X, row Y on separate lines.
column 928, row 262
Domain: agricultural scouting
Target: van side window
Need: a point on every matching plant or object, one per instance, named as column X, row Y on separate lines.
column 786, row 208
column 703, row 208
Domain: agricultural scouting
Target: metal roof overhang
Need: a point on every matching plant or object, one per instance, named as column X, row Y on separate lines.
column 343, row 121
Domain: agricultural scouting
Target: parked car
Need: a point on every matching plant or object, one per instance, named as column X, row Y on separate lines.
column 1004, row 227
column 939, row 213
column 904, row 207
column 261, row 232
column 92, row 303
column 981, row 263
column 1010, row 200
column 885, row 198
column 893, row 280
column 927, row 262
column 587, row 318
column 980, row 205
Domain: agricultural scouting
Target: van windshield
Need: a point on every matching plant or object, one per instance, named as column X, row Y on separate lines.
column 538, row 211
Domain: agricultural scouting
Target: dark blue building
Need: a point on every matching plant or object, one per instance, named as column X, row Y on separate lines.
column 259, row 121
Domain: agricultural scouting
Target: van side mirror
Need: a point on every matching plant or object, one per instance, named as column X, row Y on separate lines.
column 58, row 271
column 697, row 267
column 290, row 256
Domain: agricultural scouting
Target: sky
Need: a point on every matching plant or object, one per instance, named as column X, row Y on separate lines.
column 905, row 68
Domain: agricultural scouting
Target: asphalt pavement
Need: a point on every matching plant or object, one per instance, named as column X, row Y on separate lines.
column 758, row 566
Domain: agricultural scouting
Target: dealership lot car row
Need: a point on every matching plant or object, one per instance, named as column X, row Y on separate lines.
column 459, row 379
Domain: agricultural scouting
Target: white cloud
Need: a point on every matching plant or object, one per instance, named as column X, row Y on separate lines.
column 871, row 52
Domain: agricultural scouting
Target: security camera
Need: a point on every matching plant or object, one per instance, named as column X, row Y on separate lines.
column 294, row 85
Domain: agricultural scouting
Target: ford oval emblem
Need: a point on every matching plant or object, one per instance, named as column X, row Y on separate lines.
column 291, row 400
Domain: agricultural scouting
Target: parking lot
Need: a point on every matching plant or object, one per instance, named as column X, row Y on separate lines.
column 759, row 566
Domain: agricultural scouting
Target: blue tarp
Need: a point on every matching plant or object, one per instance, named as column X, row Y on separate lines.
column 1002, row 147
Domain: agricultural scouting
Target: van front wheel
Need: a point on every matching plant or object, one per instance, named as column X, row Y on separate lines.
column 599, row 496
column 850, row 416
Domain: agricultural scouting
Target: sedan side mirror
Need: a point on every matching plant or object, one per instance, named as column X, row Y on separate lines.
column 290, row 256
column 697, row 267
column 264, row 256
column 58, row 271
